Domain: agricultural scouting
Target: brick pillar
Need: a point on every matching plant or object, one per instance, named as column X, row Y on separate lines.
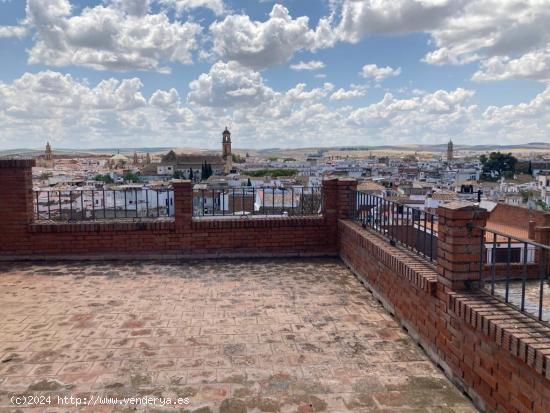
column 183, row 201
column 16, row 199
column 330, row 198
column 346, row 199
column 458, row 243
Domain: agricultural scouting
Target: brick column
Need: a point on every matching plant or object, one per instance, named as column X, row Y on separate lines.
column 330, row 198
column 346, row 199
column 458, row 243
column 16, row 199
column 183, row 202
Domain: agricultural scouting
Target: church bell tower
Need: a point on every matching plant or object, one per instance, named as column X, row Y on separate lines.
column 226, row 151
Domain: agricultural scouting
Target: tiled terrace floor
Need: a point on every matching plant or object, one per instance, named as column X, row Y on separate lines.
column 236, row 336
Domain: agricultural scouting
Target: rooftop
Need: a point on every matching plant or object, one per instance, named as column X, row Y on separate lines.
column 233, row 336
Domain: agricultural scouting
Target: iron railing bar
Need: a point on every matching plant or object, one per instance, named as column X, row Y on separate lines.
column 524, row 278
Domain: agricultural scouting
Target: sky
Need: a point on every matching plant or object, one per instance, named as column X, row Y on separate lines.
column 287, row 73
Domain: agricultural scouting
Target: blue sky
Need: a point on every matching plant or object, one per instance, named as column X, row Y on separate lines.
column 288, row 73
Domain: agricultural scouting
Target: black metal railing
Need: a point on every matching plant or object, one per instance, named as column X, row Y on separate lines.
column 73, row 205
column 249, row 201
column 516, row 271
column 410, row 227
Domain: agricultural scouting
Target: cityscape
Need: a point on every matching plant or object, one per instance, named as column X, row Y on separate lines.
column 220, row 206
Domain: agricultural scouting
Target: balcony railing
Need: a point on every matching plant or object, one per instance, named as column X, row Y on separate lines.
column 515, row 271
column 410, row 227
column 76, row 205
column 251, row 201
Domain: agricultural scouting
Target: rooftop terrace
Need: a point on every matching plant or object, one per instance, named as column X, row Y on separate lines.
column 232, row 336
column 296, row 336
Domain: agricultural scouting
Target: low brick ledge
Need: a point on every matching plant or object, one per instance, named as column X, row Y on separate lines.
column 104, row 226
column 163, row 256
column 406, row 264
column 257, row 222
column 520, row 335
column 511, row 330
column 169, row 224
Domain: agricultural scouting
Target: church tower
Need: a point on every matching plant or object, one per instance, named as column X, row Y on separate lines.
column 226, row 151
column 450, row 150
column 48, row 153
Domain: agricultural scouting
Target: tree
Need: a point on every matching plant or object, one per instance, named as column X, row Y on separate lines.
column 206, row 171
column 104, row 178
column 45, row 175
column 497, row 165
column 131, row 177
column 178, row 175
column 249, row 183
column 191, row 173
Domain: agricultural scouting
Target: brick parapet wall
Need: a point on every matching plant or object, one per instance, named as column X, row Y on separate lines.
column 494, row 353
column 180, row 237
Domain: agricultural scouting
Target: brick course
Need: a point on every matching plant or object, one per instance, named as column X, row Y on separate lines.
column 180, row 237
column 498, row 356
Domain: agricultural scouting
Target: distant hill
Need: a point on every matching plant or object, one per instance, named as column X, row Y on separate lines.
column 267, row 151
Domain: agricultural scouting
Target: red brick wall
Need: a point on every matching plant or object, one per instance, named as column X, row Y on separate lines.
column 180, row 237
column 484, row 346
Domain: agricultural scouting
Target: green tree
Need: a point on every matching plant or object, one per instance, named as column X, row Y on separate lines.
column 104, row 178
column 191, row 173
column 207, row 171
column 178, row 175
column 131, row 177
column 45, row 175
column 498, row 164
column 249, row 183
column 273, row 172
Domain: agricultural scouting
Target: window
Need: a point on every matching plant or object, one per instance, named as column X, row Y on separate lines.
column 501, row 255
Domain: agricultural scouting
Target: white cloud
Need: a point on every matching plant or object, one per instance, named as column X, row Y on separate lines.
column 259, row 45
column 13, row 31
column 360, row 18
column 510, row 38
column 355, row 91
column 120, row 35
column 56, row 106
column 311, row 65
column 379, row 73
column 182, row 6
column 228, row 85
column 534, row 65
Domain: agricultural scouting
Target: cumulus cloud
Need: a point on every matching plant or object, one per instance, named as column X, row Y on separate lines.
column 311, row 65
column 355, row 91
column 360, row 18
column 229, row 84
column 379, row 73
column 13, row 31
column 46, row 105
column 260, row 45
column 55, row 105
column 534, row 65
column 505, row 36
column 119, row 35
column 182, row 6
